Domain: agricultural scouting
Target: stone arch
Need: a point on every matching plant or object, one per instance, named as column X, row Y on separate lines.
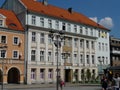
column 13, row 75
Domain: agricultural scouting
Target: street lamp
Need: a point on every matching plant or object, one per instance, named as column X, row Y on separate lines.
column 3, row 51
column 57, row 38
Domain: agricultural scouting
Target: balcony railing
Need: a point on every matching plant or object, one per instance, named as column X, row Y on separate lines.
column 116, row 52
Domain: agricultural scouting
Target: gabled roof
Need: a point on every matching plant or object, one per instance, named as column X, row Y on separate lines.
column 11, row 20
column 54, row 11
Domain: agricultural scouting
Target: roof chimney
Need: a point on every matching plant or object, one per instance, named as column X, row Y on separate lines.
column 70, row 10
column 45, row 2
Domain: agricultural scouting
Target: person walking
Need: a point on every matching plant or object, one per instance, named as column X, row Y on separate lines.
column 117, row 82
column 104, row 83
column 61, row 83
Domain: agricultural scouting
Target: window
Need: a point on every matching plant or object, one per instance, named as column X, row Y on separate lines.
column 3, row 39
column 33, row 36
column 103, row 60
column 81, row 30
column 92, row 45
column 2, row 53
column 99, row 46
column 49, row 39
column 42, row 73
column 87, row 44
column 102, row 46
column 88, row 61
column 81, row 43
column 75, row 42
column 75, row 28
column 56, row 54
column 75, row 58
column 107, row 60
column 86, row 30
column 16, row 40
column 42, row 22
column 91, row 32
column 15, row 54
column 99, row 33
column 49, row 56
column 49, row 23
column 69, row 27
column 33, row 20
column 63, row 26
column 81, row 58
column 33, row 74
column 1, row 23
column 42, row 37
column 56, row 24
column 42, row 53
column 33, row 52
column 106, row 47
column 93, row 59
column 50, row 73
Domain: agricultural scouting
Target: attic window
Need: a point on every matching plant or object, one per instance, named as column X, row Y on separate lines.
column 42, row 11
column 61, row 15
column 1, row 23
column 13, row 25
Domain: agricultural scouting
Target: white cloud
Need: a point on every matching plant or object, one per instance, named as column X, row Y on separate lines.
column 107, row 22
column 94, row 19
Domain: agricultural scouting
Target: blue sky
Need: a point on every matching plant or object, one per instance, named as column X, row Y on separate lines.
column 105, row 12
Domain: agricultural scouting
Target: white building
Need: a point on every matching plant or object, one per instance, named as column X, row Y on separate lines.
column 86, row 41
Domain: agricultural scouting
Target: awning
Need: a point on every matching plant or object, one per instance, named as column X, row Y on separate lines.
column 114, row 68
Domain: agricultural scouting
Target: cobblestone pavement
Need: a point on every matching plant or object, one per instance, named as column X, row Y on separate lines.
column 68, row 86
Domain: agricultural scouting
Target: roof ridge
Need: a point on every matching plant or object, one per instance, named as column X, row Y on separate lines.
column 52, row 10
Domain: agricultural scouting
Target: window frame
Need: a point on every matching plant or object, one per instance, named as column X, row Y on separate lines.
column 16, row 42
column 15, row 54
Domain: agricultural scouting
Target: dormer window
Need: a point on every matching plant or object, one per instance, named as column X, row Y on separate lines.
column 2, row 20
column 63, row 26
column 33, row 20
column 49, row 23
column 1, row 23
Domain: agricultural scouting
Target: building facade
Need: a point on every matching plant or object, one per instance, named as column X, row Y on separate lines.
column 86, row 42
column 115, row 54
column 11, row 48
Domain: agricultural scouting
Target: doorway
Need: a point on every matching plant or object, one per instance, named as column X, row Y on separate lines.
column 68, row 75
column 14, row 76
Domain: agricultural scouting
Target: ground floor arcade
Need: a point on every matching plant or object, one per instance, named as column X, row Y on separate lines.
column 47, row 74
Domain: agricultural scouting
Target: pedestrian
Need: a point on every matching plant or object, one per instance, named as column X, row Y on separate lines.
column 61, row 83
column 104, row 83
column 117, row 82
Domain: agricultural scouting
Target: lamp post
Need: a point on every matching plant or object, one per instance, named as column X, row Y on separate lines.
column 57, row 38
column 3, row 51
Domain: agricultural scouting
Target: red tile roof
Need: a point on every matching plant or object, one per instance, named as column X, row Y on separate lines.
column 54, row 11
column 12, row 21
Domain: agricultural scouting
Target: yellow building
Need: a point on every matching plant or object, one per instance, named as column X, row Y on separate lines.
column 11, row 48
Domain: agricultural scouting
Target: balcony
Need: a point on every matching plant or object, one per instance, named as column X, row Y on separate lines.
column 115, row 52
